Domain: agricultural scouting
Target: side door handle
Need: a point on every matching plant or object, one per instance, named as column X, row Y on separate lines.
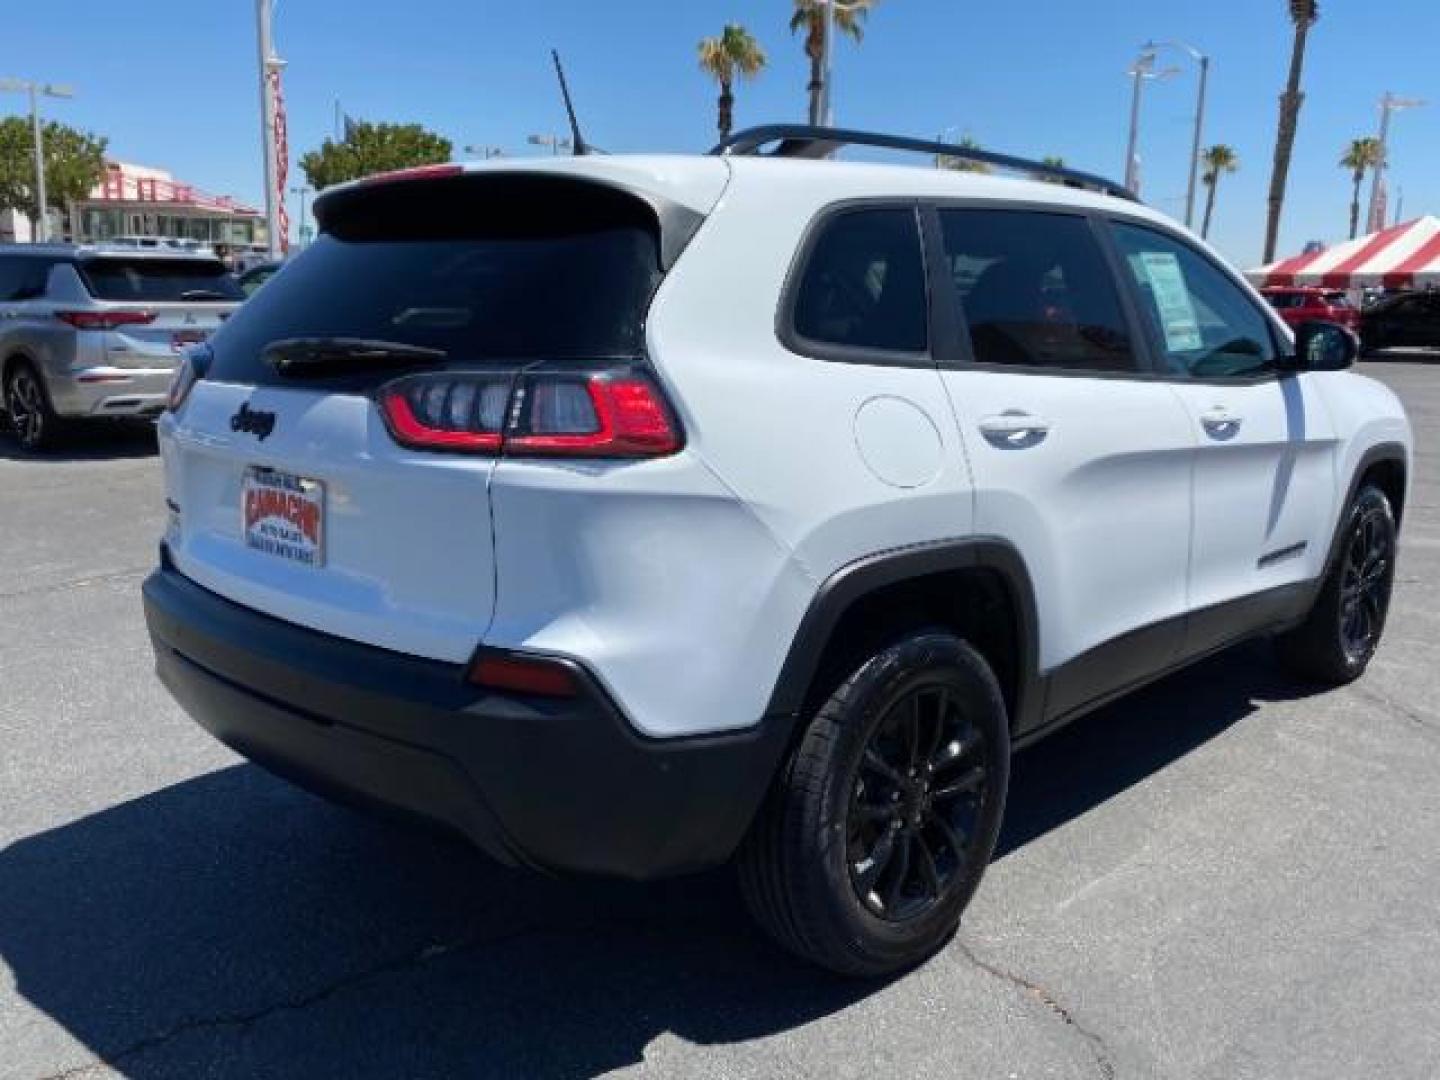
column 1220, row 423
column 1014, row 429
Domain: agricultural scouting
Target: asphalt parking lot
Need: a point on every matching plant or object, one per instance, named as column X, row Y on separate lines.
column 1227, row 876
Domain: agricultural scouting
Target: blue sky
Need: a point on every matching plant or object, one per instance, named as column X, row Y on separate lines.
column 172, row 82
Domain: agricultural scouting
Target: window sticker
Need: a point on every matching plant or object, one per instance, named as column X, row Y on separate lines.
column 1172, row 299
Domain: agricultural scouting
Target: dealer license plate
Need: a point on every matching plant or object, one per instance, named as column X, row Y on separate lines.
column 284, row 515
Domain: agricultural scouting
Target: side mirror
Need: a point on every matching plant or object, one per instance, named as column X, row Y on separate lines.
column 1322, row 346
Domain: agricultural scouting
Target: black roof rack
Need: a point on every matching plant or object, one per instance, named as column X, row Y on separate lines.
column 808, row 141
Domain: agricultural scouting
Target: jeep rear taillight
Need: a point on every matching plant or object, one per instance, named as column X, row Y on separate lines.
column 556, row 413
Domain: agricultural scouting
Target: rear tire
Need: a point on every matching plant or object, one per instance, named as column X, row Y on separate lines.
column 883, row 819
column 27, row 406
column 1339, row 637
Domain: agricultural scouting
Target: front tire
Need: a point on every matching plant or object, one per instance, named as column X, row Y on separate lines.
column 1337, row 640
column 883, row 819
column 27, row 404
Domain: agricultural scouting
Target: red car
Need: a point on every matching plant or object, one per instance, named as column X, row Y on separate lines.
column 1300, row 304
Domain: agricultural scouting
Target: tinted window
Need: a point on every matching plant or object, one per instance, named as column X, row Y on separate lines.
column 864, row 284
column 159, row 280
column 9, row 276
column 1285, row 301
column 32, row 279
column 1204, row 324
column 486, row 270
column 1036, row 291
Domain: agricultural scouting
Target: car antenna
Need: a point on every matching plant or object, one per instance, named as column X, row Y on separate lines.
column 577, row 141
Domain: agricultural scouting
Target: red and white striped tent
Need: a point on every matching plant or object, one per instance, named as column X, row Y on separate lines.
column 1404, row 257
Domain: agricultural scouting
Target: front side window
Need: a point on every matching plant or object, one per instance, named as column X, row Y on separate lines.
column 863, row 286
column 1036, row 291
column 1205, row 325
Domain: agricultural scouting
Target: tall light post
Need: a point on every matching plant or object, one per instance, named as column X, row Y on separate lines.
column 302, row 191
column 1388, row 104
column 270, row 68
column 36, row 90
column 827, row 34
column 1142, row 69
column 1204, row 62
column 555, row 142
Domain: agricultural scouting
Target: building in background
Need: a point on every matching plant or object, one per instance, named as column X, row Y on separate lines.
column 138, row 202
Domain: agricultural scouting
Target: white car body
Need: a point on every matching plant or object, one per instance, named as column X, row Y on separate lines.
column 683, row 583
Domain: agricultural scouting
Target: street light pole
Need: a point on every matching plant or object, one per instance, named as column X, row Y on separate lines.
column 302, row 191
column 1142, row 69
column 1204, row 62
column 42, row 217
column 1388, row 104
column 826, row 117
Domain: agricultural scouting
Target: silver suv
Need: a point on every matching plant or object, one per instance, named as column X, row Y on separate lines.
column 91, row 332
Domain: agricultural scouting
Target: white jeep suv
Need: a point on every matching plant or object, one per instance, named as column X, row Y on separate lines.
column 627, row 514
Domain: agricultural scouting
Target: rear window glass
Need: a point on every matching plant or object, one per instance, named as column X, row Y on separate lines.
column 864, row 285
column 160, row 280
column 489, row 270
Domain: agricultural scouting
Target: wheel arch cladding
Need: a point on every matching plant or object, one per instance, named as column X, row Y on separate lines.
column 1386, row 465
column 978, row 589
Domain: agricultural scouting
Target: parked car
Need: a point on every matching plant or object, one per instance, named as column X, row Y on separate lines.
column 93, row 333
column 631, row 514
column 1302, row 305
column 1404, row 319
column 252, row 279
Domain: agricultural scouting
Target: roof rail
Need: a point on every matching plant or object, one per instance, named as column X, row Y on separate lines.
column 808, row 141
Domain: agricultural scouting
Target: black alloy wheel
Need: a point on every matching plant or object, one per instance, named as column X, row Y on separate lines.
column 916, row 799
column 1339, row 637
column 1366, row 578
column 883, row 818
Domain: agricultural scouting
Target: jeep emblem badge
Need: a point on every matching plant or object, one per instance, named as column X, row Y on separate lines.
column 255, row 421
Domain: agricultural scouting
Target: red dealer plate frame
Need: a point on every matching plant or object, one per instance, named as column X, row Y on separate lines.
column 283, row 515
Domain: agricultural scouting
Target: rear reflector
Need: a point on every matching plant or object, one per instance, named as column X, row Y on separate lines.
column 561, row 412
column 529, row 675
column 105, row 320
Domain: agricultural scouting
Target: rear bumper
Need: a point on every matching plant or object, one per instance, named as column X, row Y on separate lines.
column 556, row 784
column 110, row 391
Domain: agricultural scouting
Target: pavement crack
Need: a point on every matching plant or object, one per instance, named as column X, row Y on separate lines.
column 1394, row 708
column 300, row 1003
column 1104, row 1063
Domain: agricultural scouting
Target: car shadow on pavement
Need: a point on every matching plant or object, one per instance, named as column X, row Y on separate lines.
column 110, row 440
column 232, row 926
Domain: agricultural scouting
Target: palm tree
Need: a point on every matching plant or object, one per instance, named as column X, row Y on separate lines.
column 1218, row 160
column 734, row 53
column 960, row 164
column 1304, row 14
column 1361, row 155
column 809, row 16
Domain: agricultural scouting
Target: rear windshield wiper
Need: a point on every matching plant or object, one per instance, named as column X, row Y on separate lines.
column 205, row 294
column 319, row 356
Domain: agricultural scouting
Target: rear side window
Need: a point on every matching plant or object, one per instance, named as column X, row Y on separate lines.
column 863, row 285
column 1036, row 291
column 488, row 270
column 159, row 280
